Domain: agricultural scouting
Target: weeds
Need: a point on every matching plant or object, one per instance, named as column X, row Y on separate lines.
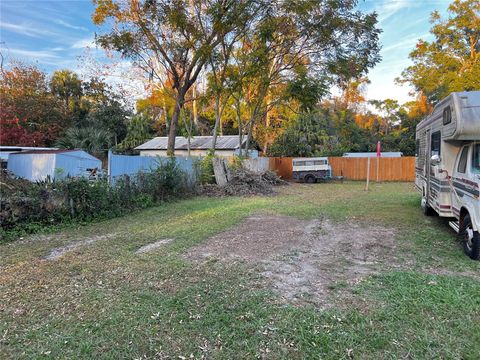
column 104, row 301
column 32, row 207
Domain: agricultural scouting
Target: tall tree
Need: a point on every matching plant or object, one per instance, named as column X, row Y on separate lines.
column 172, row 37
column 26, row 98
column 325, row 37
column 389, row 109
column 220, row 65
column 66, row 85
column 139, row 130
column 452, row 61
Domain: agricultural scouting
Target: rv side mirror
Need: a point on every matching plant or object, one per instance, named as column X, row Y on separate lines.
column 435, row 160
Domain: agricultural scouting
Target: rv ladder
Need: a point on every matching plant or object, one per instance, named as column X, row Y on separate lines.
column 454, row 225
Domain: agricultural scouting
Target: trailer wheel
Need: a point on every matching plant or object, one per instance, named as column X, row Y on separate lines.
column 309, row 179
column 426, row 209
column 470, row 238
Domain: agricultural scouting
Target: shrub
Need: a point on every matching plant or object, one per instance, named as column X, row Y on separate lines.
column 166, row 181
column 205, row 169
column 27, row 207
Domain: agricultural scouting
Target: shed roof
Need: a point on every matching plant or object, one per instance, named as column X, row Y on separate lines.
column 230, row 142
column 23, row 148
column 47, row 151
column 75, row 153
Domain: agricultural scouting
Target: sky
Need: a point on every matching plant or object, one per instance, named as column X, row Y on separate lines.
column 53, row 35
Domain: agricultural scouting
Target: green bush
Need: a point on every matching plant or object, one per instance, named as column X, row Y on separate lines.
column 205, row 172
column 28, row 207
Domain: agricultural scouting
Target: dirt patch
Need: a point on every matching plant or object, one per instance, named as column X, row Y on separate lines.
column 153, row 246
column 256, row 239
column 60, row 251
column 305, row 261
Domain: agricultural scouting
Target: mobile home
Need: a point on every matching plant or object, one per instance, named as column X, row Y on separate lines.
column 448, row 165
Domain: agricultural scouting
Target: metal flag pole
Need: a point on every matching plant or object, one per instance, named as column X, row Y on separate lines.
column 368, row 173
column 378, row 158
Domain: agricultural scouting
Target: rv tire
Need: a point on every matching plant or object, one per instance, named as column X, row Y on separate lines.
column 426, row 209
column 470, row 238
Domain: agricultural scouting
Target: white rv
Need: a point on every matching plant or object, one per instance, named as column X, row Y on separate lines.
column 448, row 165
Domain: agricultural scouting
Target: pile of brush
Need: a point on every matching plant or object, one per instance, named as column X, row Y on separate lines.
column 243, row 182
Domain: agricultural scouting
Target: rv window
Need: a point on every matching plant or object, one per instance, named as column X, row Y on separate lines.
column 476, row 159
column 435, row 143
column 417, row 147
column 462, row 164
column 447, row 115
column 309, row 163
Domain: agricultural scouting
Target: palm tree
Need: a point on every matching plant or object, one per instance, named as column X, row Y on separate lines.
column 90, row 139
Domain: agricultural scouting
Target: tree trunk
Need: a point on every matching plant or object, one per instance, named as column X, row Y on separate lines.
column 165, row 113
column 249, row 135
column 473, row 42
column 217, row 122
column 255, row 113
column 219, row 108
column 195, row 115
column 240, row 129
column 172, row 133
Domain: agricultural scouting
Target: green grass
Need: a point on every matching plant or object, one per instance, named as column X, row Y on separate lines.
column 103, row 301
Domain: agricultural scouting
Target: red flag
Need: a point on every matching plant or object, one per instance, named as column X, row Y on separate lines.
column 378, row 149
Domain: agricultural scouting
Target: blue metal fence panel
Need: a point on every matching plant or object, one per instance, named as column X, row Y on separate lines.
column 121, row 165
column 75, row 164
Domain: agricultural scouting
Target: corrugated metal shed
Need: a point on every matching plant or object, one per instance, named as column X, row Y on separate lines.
column 53, row 164
column 6, row 150
column 230, row 142
column 374, row 154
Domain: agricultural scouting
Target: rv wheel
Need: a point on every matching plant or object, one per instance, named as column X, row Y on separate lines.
column 470, row 238
column 426, row 209
column 309, row 179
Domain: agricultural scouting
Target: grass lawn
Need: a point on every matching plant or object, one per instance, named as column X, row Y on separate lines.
column 102, row 300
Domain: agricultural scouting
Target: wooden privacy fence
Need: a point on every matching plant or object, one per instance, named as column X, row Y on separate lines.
column 282, row 165
column 390, row 169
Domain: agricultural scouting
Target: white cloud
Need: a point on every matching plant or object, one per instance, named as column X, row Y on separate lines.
column 33, row 54
column 388, row 90
column 26, row 30
column 83, row 43
column 389, row 8
column 407, row 43
column 70, row 26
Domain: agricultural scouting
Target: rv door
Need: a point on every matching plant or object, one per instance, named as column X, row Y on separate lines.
column 427, row 163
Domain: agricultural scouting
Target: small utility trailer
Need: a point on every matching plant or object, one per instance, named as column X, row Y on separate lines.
column 448, row 165
column 310, row 170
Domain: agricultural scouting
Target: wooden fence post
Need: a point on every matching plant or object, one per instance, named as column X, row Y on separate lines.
column 368, row 173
